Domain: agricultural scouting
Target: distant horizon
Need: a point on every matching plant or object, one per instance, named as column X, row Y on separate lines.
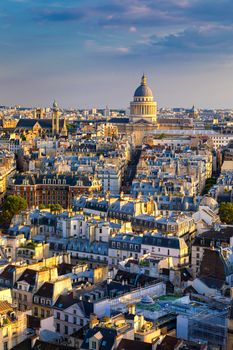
column 19, row 105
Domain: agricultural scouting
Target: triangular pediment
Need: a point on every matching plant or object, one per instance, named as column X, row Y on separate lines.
column 142, row 121
column 75, row 306
column 23, row 282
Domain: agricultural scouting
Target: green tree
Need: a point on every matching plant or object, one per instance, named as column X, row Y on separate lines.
column 161, row 136
column 69, row 126
column 55, row 208
column 226, row 212
column 13, row 205
column 210, row 182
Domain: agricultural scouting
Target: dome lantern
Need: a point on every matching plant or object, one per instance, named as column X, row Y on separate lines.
column 144, row 80
column 143, row 90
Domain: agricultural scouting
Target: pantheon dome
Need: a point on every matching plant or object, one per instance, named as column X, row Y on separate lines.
column 143, row 108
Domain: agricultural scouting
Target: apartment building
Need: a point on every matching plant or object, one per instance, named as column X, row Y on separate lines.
column 13, row 326
column 52, row 189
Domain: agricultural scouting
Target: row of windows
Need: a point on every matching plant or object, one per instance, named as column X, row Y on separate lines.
column 98, row 258
column 222, row 138
column 125, row 257
column 71, row 319
column 66, row 329
column 125, row 246
column 119, row 215
column 21, row 297
column 43, row 313
column 42, row 301
column 55, row 181
column 144, row 99
column 5, row 282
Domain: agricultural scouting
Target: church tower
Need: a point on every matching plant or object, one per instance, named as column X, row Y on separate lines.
column 64, row 130
column 39, row 113
column 193, row 113
column 55, row 119
column 143, row 107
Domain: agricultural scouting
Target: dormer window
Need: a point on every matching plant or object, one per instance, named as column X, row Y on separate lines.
column 12, row 315
column 44, row 181
column 64, row 181
column 54, row 181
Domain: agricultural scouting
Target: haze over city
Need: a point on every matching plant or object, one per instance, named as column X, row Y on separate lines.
column 92, row 53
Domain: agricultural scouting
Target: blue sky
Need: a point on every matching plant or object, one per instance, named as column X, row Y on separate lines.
column 89, row 53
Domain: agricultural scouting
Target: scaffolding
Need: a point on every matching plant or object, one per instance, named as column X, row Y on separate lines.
column 210, row 328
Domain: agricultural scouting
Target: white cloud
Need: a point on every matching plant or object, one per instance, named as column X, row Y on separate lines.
column 123, row 49
column 132, row 29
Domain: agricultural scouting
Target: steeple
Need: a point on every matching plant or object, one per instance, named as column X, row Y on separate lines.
column 55, row 118
column 64, row 131
column 193, row 113
column 55, row 106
